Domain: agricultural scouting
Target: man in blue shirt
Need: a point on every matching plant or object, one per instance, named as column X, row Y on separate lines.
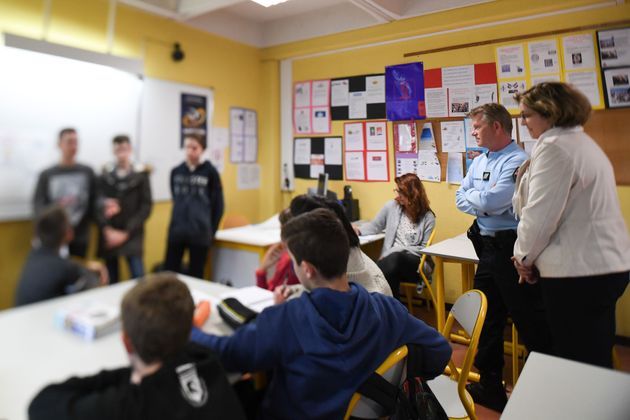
column 324, row 344
column 486, row 193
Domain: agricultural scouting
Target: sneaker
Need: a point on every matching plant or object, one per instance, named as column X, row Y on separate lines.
column 492, row 397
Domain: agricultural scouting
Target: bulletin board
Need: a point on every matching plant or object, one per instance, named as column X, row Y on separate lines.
column 315, row 155
column 374, row 110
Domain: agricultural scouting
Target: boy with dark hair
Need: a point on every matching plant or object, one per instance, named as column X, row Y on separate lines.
column 71, row 185
column 168, row 378
column 126, row 192
column 197, row 209
column 323, row 345
column 47, row 274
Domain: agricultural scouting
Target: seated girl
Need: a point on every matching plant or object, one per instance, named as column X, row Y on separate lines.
column 408, row 222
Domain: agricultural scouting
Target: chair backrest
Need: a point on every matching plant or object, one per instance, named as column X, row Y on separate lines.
column 393, row 369
column 470, row 312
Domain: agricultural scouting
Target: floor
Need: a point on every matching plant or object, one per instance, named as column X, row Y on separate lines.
column 427, row 315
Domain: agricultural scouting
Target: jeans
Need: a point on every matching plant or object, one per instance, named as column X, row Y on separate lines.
column 134, row 262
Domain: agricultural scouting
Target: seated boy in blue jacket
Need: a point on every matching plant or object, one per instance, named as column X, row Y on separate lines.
column 324, row 344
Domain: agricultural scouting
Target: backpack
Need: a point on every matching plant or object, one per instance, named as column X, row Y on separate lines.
column 413, row 400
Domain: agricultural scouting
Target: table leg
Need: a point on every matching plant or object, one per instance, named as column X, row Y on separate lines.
column 439, row 293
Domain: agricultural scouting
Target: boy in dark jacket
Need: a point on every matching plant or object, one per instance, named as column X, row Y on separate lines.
column 168, row 379
column 126, row 193
column 46, row 274
column 197, row 209
column 324, row 344
column 72, row 186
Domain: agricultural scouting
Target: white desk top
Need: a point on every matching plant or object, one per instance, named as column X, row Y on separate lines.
column 265, row 235
column 458, row 247
column 35, row 353
column 551, row 388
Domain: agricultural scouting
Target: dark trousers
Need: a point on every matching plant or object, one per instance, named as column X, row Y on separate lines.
column 197, row 255
column 399, row 267
column 581, row 314
column 134, row 262
column 498, row 279
column 78, row 249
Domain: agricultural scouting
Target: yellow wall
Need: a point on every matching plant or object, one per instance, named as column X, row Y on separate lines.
column 232, row 69
column 450, row 221
column 244, row 76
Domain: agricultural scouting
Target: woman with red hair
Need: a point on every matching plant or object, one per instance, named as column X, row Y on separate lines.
column 408, row 222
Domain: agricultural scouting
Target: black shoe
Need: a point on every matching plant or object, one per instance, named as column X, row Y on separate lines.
column 492, row 397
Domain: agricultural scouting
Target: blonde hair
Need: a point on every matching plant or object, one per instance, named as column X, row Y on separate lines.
column 562, row 104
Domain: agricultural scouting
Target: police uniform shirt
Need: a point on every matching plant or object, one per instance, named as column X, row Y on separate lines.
column 486, row 191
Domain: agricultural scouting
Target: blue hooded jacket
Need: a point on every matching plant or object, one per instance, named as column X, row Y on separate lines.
column 322, row 346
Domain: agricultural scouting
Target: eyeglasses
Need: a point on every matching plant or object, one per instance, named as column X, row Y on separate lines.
column 397, row 191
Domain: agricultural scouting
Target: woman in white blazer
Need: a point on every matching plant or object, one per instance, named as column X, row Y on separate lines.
column 571, row 236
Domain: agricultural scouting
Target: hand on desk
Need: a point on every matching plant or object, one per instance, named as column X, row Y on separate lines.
column 526, row 274
column 356, row 230
column 100, row 269
column 281, row 294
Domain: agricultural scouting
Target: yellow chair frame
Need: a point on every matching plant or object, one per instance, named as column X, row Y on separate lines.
column 460, row 375
column 410, row 289
column 396, row 357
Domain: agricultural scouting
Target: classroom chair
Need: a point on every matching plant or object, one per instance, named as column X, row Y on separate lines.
column 410, row 289
column 392, row 369
column 470, row 312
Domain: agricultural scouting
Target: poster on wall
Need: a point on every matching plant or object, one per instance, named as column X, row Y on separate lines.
column 366, row 151
column 404, row 92
column 315, row 155
column 618, row 87
column 243, row 135
column 193, row 117
column 358, row 97
column 455, row 91
column 614, row 47
column 311, row 107
column 405, row 148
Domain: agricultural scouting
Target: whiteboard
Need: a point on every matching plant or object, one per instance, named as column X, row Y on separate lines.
column 39, row 95
column 160, row 129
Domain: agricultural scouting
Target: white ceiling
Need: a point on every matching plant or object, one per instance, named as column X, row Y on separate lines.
column 250, row 23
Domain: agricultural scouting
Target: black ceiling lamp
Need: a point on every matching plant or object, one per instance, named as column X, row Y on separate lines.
column 177, row 54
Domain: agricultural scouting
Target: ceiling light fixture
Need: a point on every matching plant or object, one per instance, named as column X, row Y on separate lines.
column 268, row 3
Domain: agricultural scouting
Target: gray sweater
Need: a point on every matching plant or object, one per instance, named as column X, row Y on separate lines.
column 388, row 219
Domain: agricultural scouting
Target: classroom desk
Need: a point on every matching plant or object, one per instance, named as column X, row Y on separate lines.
column 552, row 388
column 237, row 252
column 454, row 250
column 35, row 353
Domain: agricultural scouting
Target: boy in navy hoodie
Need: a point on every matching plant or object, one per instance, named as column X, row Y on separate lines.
column 324, row 344
column 197, row 209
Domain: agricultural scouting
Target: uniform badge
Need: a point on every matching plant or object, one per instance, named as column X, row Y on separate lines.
column 193, row 387
column 486, row 176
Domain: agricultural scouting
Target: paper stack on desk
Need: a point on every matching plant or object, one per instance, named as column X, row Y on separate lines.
column 89, row 320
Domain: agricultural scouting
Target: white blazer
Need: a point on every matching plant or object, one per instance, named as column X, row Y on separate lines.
column 570, row 219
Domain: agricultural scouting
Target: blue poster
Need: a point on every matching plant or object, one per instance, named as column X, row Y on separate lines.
column 404, row 92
